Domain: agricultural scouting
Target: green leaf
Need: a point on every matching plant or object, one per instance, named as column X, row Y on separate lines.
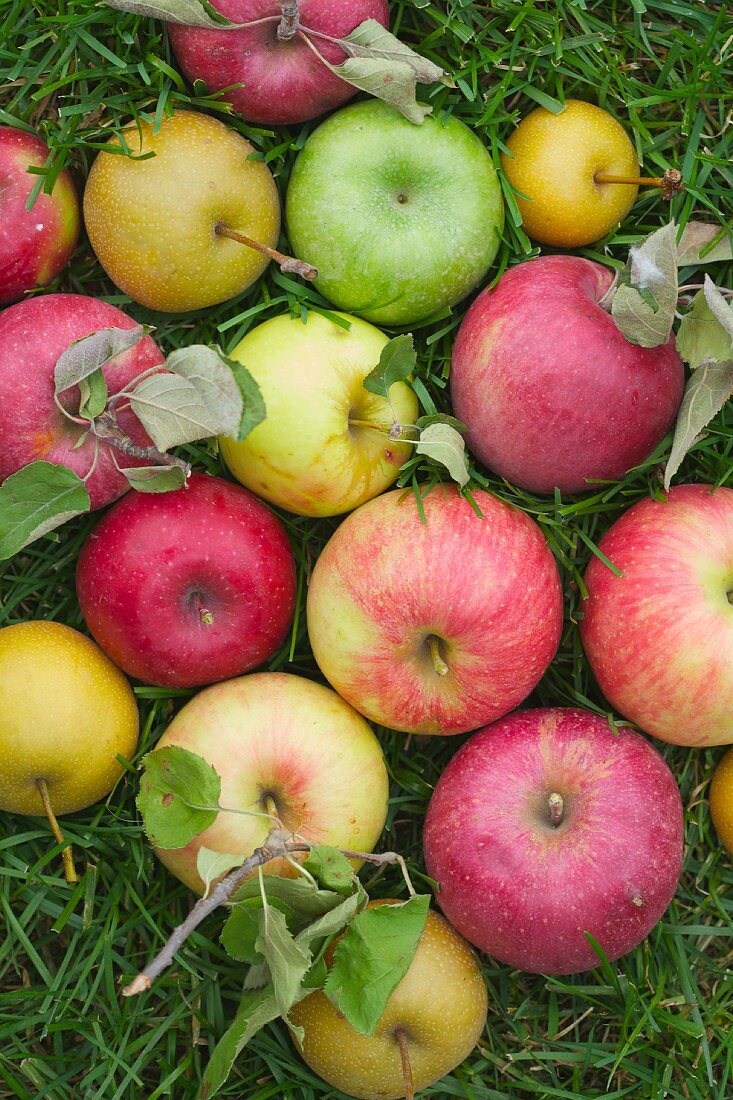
column 288, row 961
column 645, row 300
column 441, row 418
column 445, row 445
column 696, row 244
column 701, row 338
column 392, row 81
column 155, row 479
column 372, row 958
column 92, row 395
column 87, row 355
column 179, row 796
column 331, row 868
column 719, row 308
column 396, row 364
column 35, row 500
column 253, row 403
column 189, row 13
column 212, row 865
column 240, row 932
column 257, row 1008
column 371, row 39
column 207, row 370
column 705, row 394
column 334, row 921
column 301, row 894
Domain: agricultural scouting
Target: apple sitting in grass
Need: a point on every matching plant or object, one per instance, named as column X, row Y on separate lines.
column 323, row 447
column 284, row 747
column 436, row 626
column 721, row 800
column 401, row 221
column 33, row 335
column 431, row 1023
column 548, row 825
column 659, row 637
column 553, row 394
column 188, row 587
column 35, row 244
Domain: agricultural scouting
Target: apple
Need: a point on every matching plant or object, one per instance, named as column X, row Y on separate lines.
column 547, row 825
column 721, row 800
column 559, row 166
column 35, row 244
column 188, row 587
column 158, row 226
column 435, row 626
column 278, row 81
column 659, row 638
column 401, row 221
column 67, row 713
column 318, row 453
column 282, row 745
column 553, row 394
column 437, row 1014
column 33, row 335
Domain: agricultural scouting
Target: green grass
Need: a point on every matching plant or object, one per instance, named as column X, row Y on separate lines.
column 657, row 1023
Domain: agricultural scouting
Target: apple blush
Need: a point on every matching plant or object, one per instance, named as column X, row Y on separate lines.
column 188, row 587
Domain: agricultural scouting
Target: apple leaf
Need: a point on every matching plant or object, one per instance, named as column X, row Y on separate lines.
column 333, row 922
column 372, row 958
column 705, row 394
column 240, row 932
column 396, row 364
column 696, row 244
column 441, row 418
column 35, row 500
column 253, row 404
column 173, row 411
column 155, row 479
column 213, row 378
column 85, row 356
column 371, row 39
column 719, row 308
column 331, row 868
column 178, row 797
column 190, row 13
column 392, row 81
column 446, row 446
column 301, row 894
column 92, row 395
column 701, row 338
column 645, row 301
column 212, row 865
column 257, row 1008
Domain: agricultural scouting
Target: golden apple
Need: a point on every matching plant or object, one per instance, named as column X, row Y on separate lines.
column 721, row 800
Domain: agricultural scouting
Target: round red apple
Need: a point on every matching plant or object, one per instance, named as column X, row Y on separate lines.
column 282, row 81
column 659, row 637
column 35, row 244
column 33, row 334
column 553, row 394
column 188, row 587
column 435, row 626
column 548, row 825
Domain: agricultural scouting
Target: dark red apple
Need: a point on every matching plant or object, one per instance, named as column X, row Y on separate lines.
column 553, row 394
column 33, row 334
column 188, row 587
column 282, row 82
column 549, row 824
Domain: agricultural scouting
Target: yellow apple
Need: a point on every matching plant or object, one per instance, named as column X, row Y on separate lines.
column 318, row 453
column 155, row 224
column 721, row 800
column 553, row 161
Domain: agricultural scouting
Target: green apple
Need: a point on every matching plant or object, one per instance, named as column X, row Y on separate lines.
column 400, row 220
column 323, row 448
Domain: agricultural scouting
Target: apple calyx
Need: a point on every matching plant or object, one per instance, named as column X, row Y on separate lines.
column 206, row 617
column 556, row 806
column 400, row 1035
column 287, row 264
column 67, row 854
column 290, row 21
column 439, row 664
column 671, row 183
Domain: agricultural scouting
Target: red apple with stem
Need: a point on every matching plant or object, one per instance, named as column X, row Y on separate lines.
column 35, row 244
column 659, row 637
column 188, row 587
column 553, row 394
column 547, row 825
column 33, row 335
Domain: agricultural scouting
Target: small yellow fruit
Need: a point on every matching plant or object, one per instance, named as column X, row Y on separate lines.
column 66, row 712
column 721, row 800
column 552, row 162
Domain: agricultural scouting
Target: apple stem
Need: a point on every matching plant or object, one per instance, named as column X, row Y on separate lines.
column 438, row 663
column 556, row 806
column 671, row 182
column 66, row 855
column 106, row 428
column 369, row 424
column 288, row 264
column 290, row 21
column 401, row 1036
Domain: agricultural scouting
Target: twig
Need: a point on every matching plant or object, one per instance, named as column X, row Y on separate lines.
column 106, row 428
column 290, row 21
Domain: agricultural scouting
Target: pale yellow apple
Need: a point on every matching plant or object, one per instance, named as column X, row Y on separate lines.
column 281, row 742
column 315, row 453
column 552, row 162
column 152, row 223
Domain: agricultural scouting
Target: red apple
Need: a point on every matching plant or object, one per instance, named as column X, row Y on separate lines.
column 550, row 824
column 33, row 334
column 552, row 393
column 188, row 587
column 659, row 638
column 282, row 82
column 436, row 626
column 35, row 244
